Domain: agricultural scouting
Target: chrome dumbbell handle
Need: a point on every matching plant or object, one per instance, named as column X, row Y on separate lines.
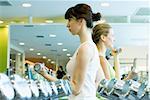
column 67, row 85
column 141, row 90
column 21, row 85
column 34, row 88
column 60, row 88
column 110, row 86
column 135, row 86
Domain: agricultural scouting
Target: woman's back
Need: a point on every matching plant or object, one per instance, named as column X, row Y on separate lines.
column 108, row 67
column 88, row 90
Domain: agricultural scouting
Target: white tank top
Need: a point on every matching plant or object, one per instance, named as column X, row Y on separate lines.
column 88, row 91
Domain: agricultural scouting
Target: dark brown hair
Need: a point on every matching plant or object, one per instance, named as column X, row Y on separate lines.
column 83, row 11
column 98, row 30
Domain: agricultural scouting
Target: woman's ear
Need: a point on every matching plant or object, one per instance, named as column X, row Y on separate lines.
column 80, row 20
column 103, row 37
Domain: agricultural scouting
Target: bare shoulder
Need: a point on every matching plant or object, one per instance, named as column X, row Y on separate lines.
column 85, row 52
column 87, row 47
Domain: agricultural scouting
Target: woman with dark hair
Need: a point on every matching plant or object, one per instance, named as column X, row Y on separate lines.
column 60, row 72
column 84, row 67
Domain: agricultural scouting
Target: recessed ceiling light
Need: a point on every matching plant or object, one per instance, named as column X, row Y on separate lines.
column 31, row 49
column 105, row 4
column 64, row 49
column 59, row 43
column 48, row 44
column 22, row 22
column 53, row 50
column 49, row 21
column 7, row 26
column 44, row 57
column 26, row 5
column 12, row 22
column 68, row 54
column 42, row 23
column 52, row 62
column 1, row 22
column 40, row 36
column 19, row 54
column 70, row 57
column 21, row 43
column 38, row 54
column 52, row 35
column 49, row 59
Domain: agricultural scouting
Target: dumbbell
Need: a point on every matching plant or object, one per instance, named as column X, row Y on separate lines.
column 122, row 89
column 142, row 90
column 61, row 88
column 21, row 87
column 137, row 90
column 147, row 94
column 109, row 86
column 102, row 86
column 42, row 88
column 6, row 88
column 38, row 67
column 106, row 88
column 34, row 89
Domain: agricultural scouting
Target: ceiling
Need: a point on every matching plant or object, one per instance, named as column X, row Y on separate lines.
column 119, row 10
column 128, row 17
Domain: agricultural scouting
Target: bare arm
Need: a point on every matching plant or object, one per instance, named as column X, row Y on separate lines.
column 117, row 67
column 131, row 75
column 47, row 76
column 82, row 60
column 99, row 76
column 104, row 67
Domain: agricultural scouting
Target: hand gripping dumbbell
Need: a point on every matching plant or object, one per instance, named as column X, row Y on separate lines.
column 6, row 88
column 38, row 67
column 59, row 88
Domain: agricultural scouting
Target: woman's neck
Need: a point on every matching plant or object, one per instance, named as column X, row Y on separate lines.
column 101, row 49
column 85, row 35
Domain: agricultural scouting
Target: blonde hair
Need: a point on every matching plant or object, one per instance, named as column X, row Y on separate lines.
column 100, row 29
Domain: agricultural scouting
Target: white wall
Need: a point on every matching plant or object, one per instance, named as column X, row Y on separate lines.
column 127, row 57
column 134, row 39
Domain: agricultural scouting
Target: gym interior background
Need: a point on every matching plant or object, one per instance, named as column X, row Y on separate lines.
column 35, row 31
